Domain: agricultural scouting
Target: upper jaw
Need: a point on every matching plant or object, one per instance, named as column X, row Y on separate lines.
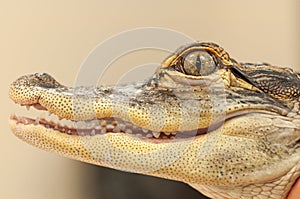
column 152, row 105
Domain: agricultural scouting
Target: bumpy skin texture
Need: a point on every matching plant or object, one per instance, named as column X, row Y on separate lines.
column 232, row 129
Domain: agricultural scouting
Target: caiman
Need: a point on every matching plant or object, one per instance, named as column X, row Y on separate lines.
column 228, row 129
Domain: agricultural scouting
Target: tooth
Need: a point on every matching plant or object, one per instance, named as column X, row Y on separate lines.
column 145, row 130
column 37, row 121
column 156, row 134
column 26, row 121
column 81, row 133
column 98, row 127
column 110, row 127
column 69, row 132
column 63, row 130
column 116, row 130
column 103, row 130
column 27, row 107
column 93, row 132
column 167, row 133
column 128, row 131
column 173, row 133
column 149, row 135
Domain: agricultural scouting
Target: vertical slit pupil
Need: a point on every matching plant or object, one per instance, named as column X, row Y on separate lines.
column 198, row 63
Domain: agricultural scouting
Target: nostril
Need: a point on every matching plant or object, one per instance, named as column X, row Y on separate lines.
column 45, row 80
column 41, row 75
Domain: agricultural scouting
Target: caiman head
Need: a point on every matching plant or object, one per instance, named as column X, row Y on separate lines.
column 229, row 129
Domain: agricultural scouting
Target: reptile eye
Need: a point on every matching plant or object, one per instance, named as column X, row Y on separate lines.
column 199, row 63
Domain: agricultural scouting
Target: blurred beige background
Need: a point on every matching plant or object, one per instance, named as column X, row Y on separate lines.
column 56, row 36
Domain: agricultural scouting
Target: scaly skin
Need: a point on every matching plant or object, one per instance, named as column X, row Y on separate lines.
column 231, row 129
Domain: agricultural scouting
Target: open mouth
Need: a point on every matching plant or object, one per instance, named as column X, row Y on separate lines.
column 96, row 126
